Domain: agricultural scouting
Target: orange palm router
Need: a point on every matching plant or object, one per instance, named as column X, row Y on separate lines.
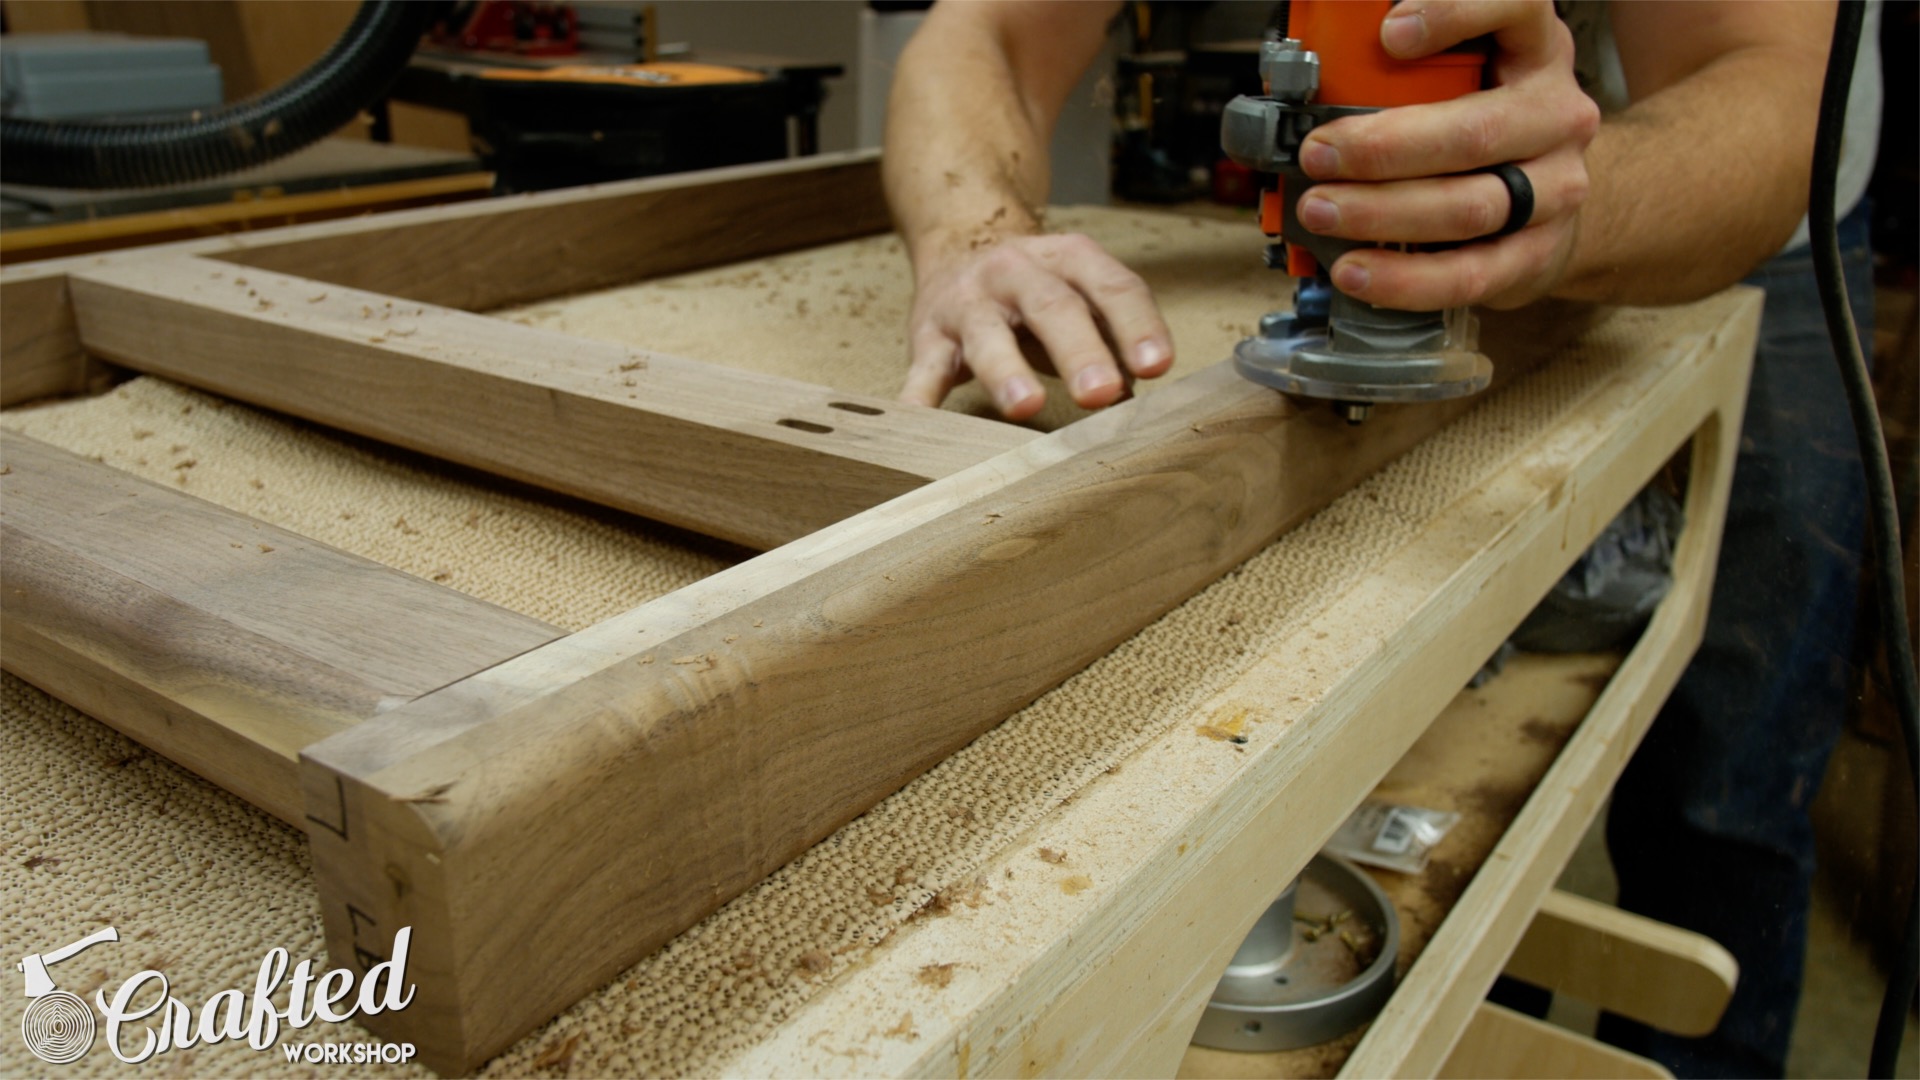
column 1322, row 61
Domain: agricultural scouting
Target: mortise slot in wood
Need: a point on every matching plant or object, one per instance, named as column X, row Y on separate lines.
column 806, row 425
column 848, row 406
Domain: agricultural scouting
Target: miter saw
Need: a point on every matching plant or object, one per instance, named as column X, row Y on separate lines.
column 1322, row 61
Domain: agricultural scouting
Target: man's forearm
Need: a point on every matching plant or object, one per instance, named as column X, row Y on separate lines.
column 967, row 132
column 960, row 161
column 1700, row 180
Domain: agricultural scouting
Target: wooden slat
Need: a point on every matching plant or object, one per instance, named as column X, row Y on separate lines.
column 222, row 642
column 1503, row 1043
column 1673, row 979
column 491, row 253
column 808, row 684
column 1433, row 1004
column 40, row 354
column 156, row 226
column 747, row 457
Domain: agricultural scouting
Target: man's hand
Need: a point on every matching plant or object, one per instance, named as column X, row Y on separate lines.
column 973, row 104
column 1535, row 116
column 1094, row 319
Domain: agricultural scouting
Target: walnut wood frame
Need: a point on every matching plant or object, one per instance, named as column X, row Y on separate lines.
column 512, row 791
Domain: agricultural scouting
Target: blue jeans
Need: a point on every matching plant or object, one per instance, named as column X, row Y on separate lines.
column 1709, row 828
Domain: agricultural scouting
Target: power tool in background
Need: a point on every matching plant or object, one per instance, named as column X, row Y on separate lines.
column 1322, row 61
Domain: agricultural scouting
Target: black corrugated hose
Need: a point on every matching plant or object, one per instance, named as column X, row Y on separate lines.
column 145, row 153
column 1883, row 518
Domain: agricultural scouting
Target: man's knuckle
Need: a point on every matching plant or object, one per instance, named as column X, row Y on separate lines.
column 1576, row 187
column 1118, row 283
column 1581, row 117
column 1559, row 37
column 1481, row 216
column 1473, row 282
column 1004, row 258
column 1054, row 298
column 1482, row 133
column 1075, row 244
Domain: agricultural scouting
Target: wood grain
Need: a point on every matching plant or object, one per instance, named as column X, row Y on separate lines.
column 747, row 457
column 1673, row 979
column 221, row 642
column 1501, row 1042
column 1435, row 1000
column 156, row 226
column 1124, row 991
column 492, row 253
column 810, row 683
column 40, row 354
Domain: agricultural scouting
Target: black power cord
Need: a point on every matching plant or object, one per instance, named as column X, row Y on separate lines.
column 1883, row 518
column 354, row 73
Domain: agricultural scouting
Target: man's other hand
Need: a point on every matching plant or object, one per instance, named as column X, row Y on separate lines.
column 1094, row 318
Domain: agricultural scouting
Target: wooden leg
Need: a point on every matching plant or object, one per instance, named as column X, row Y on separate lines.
column 1660, row 975
column 1499, row 1042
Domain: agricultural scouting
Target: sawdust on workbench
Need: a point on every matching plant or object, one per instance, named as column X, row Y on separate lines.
column 98, row 831
column 838, row 315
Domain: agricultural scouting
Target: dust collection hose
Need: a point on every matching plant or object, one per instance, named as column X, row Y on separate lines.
column 146, row 153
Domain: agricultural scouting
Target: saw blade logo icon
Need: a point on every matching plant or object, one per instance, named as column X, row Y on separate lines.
column 57, row 1027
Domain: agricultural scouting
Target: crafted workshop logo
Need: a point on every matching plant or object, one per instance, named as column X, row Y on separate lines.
column 144, row 1019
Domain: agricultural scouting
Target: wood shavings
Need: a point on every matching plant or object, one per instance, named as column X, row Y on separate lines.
column 557, row 1055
